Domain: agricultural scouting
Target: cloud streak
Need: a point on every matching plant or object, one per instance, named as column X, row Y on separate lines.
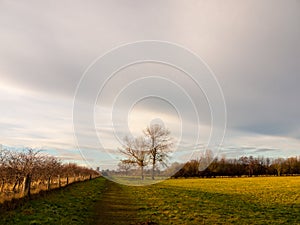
column 253, row 48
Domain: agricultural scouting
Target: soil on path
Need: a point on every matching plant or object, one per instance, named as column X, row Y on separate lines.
column 116, row 206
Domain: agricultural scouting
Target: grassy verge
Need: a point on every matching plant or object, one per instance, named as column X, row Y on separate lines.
column 262, row 200
column 270, row 200
column 74, row 204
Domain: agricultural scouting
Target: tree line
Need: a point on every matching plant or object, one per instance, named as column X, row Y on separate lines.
column 22, row 171
column 152, row 148
column 244, row 166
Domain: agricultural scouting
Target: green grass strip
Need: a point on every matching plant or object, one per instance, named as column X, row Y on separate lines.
column 74, row 204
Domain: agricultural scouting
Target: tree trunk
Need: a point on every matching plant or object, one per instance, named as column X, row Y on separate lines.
column 15, row 185
column 59, row 182
column 153, row 160
column 153, row 165
column 2, row 185
column 152, row 171
column 67, row 180
column 19, row 184
column 49, row 183
column 142, row 172
column 26, row 186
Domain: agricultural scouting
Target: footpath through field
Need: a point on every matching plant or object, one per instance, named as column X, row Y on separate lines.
column 116, row 206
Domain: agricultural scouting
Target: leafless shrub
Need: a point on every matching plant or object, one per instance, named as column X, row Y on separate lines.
column 21, row 171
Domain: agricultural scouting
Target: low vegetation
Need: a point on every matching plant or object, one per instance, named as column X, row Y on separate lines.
column 30, row 171
column 259, row 200
column 256, row 200
column 73, row 204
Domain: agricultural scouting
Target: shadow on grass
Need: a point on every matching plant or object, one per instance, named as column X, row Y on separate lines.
column 183, row 206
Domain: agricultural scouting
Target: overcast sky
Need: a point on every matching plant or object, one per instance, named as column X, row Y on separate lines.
column 252, row 46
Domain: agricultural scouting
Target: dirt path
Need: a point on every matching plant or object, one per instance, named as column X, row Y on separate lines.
column 116, row 207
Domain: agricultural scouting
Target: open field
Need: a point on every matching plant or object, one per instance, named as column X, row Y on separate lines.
column 136, row 180
column 260, row 200
column 257, row 200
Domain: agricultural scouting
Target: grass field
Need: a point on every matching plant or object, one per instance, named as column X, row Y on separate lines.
column 261, row 200
column 136, row 180
column 258, row 200
column 74, row 204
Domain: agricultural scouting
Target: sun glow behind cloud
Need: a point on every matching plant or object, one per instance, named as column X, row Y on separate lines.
column 253, row 48
column 33, row 119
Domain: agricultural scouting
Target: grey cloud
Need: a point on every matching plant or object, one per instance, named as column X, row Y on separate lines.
column 266, row 150
column 49, row 47
column 239, row 151
column 252, row 46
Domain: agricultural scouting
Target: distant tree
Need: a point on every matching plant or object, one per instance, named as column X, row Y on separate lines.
column 213, row 167
column 205, row 158
column 160, row 144
column 124, row 166
column 172, row 169
column 137, row 152
column 278, row 165
column 290, row 166
column 190, row 169
column 243, row 166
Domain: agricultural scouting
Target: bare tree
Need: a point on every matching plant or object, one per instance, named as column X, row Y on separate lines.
column 51, row 167
column 136, row 151
column 3, row 167
column 278, row 165
column 124, row 166
column 205, row 159
column 160, row 144
column 31, row 161
column 30, row 168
